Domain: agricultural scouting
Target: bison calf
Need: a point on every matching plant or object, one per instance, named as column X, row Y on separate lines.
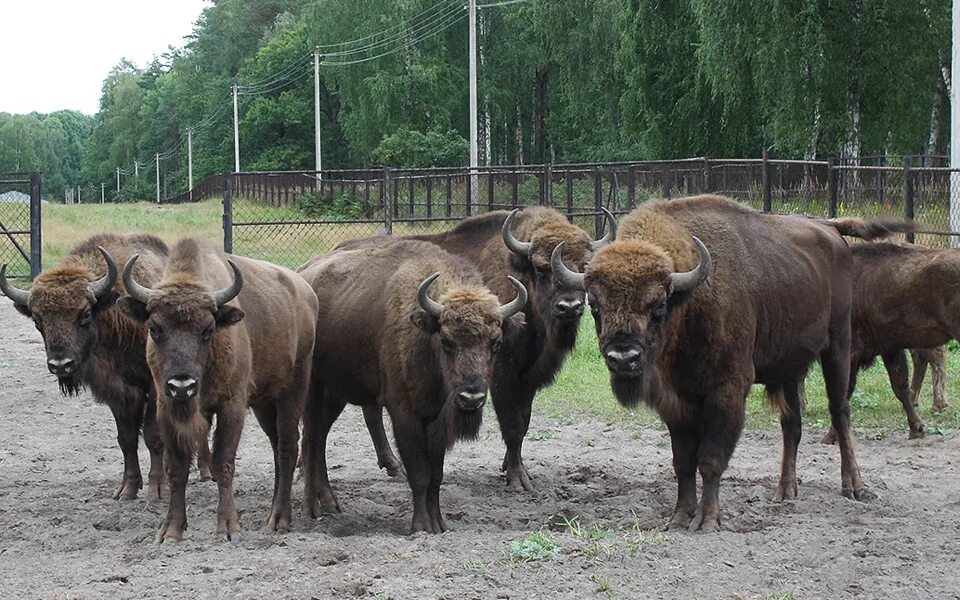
column 225, row 333
column 90, row 343
column 409, row 327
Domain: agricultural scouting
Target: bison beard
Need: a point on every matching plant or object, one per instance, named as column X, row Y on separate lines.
column 453, row 425
column 630, row 391
column 71, row 385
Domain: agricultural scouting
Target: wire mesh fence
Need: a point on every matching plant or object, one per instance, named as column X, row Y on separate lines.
column 20, row 224
column 287, row 217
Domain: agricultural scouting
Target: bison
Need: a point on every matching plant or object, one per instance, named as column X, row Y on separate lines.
column 688, row 330
column 91, row 343
column 936, row 359
column 516, row 244
column 226, row 333
column 407, row 326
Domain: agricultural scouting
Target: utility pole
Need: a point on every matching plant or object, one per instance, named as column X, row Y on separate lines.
column 118, row 180
column 236, row 132
column 955, row 128
column 158, row 178
column 474, row 180
column 136, row 169
column 190, row 161
column 316, row 111
column 103, row 186
column 78, row 194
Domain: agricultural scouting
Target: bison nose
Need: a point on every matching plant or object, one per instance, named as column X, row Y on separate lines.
column 568, row 309
column 472, row 397
column 61, row 366
column 181, row 388
column 622, row 359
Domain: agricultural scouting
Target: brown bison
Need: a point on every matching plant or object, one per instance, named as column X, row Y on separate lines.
column 412, row 328
column 226, row 333
column 899, row 303
column 936, row 359
column 688, row 331
column 90, row 343
column 516, row 244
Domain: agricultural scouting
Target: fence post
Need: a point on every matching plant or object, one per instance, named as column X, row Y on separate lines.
column 908, row 193
column 597, row 203
column 667, row 181
column 228, row 213
column 632, row 187
column 832, row 175
column 387, row 192
column 429, row 195
column 767, row 206
column 548, row 185
column 707, row 176
column 35, row 245
column 570, row 196
column 490, row 189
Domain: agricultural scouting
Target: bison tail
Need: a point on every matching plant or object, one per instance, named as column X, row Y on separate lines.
column 869, row 230
column 776, row 399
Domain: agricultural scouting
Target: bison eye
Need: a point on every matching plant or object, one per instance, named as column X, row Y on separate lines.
column 154, row 332
column 660, row 310
column 207, row 334
column 496, row 345
column 445, row 345
column 86, row 317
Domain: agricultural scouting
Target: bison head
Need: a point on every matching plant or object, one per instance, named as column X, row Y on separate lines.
column 557, row 304
column 633, row 290
column 65, row 304
column 182, row 317
column 466, row 327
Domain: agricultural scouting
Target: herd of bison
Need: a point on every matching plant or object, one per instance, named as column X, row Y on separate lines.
column 694, row 300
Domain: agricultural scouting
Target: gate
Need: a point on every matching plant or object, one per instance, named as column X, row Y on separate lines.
column 20, row 224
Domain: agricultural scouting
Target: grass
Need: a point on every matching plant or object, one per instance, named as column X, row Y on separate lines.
column 582, row 388
column 533, row 548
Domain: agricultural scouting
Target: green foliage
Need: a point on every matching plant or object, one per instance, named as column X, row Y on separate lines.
column 409, row 148
column 535, row 547
column 341, row 207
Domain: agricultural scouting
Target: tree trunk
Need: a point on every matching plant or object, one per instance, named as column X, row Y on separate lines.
column 540, row 116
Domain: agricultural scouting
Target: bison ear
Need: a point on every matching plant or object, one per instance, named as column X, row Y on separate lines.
column 425, row 322
column 134, row 309
column 108, row 300
column 514, row 324
column 676, row 299
column 228, row 315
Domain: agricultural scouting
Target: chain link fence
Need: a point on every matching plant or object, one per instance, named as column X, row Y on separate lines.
column 20, row 224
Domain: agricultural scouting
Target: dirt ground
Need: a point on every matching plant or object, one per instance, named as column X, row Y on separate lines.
column 62, row 536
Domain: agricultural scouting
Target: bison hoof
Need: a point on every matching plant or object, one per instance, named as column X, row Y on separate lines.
column 279, row 522
column 128, row 490
column 680, row 521
column 329, row 503
column 518, row 479
column 918, row 433
column 852, row 494
column 787, row 490
column 169, row 532
column 392, row 466
column 704, row 524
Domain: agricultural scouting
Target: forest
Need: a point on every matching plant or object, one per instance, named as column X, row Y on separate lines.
column 559, row 81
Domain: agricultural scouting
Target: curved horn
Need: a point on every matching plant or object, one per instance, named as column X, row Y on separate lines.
column 428, row 304
column 21, row 297
column 103, row 285
column 685, row 282
column 515, row 245
column 516, row 305
column 570, row 279
column 134, row 290
column 611, row 233
column 221, row 297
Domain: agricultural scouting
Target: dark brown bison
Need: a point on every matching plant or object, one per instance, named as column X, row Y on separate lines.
column 688, row 331
column 899, row 303
column 226, row 333
column 516, row 244
column 90, row 343
column 936, row 359
column 410, row 327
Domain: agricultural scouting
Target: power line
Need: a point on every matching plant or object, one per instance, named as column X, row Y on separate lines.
column 504, row 3
column 292, row 78
column 283, row 73
column 413, row 30
column 435, row 7
column 437, row 30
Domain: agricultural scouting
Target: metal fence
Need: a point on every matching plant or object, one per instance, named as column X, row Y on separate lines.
column 20, row 246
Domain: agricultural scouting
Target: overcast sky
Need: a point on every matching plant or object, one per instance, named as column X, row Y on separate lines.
column 55, row 54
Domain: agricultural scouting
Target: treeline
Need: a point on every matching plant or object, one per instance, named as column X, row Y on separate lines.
column 560, row 80
column 52, row 143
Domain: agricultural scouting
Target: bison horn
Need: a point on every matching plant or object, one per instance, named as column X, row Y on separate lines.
column 516, row 305
column 221, row 297
column 134, row 290
column 103, row 285
column 21, row 297
column 686, row 282
column 515, row 245
column 611, row 233
column 428, row 304
column 570, row 279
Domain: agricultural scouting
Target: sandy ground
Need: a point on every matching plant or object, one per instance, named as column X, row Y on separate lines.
column 62, row 536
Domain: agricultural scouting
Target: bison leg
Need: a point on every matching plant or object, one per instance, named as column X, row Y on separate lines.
column 919, row 358
column 411, row 439
column 204, row 459
column 513, row 403
column 386, row 459
column 321, row 413
column 284, row 437
column 177, row 462
column 723, row 418
column 840, row 381
column 684, row 442
column 896, row 364
column 154, row 442
column 830, row 437
column 938, row 360
column 790, row 404
column 226, row 438
column 128, row 420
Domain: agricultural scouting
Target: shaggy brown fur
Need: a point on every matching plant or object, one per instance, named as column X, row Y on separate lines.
column 252, row 352
column 530, row 360
column 377, row 347
column 109, row 352
column 778, row 298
